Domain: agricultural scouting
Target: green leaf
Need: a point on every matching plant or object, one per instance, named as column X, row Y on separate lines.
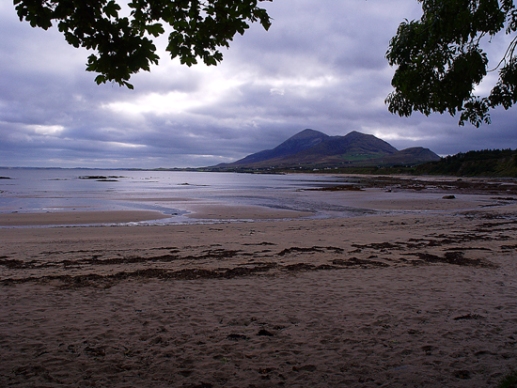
column 100, row 79
column 111, row 9
column 155, row 29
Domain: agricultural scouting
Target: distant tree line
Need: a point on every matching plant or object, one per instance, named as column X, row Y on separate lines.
column 474, row 163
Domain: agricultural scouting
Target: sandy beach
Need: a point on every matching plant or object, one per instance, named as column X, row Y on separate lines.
column 422, row 292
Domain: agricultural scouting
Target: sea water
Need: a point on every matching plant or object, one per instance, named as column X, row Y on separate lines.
column 54, row 190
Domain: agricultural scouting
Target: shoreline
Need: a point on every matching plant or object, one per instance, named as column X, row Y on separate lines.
column 213, row 213
column 368, row 201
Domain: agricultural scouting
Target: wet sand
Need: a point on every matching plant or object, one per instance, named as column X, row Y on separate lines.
column 77, row 218
column 422, row 294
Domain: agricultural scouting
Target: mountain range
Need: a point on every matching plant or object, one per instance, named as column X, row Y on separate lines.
column 314, row 149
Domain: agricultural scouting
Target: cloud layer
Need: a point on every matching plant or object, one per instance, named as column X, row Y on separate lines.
column 320, row 66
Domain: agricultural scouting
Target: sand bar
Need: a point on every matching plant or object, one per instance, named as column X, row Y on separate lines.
column 228, row 212
column 78, row 218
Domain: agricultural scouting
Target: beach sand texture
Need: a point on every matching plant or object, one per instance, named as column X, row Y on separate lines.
column 424, row 298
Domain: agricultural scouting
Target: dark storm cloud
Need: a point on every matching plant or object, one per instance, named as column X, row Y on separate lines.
column 320, row 66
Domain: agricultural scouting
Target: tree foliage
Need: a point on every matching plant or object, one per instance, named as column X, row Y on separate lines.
column 474, row 163
column 440, row 59
column 123, row 45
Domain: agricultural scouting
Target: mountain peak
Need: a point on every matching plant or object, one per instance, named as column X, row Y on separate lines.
column 308, row 133
column 303, row 140
column 310, row 148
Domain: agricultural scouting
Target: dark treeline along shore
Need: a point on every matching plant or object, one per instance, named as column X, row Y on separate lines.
column 483, row 163
column 498, row 163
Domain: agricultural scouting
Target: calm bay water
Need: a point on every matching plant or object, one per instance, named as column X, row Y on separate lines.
column 52, row 190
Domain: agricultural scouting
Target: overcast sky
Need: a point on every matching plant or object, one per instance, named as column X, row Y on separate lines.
column 320, row 66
